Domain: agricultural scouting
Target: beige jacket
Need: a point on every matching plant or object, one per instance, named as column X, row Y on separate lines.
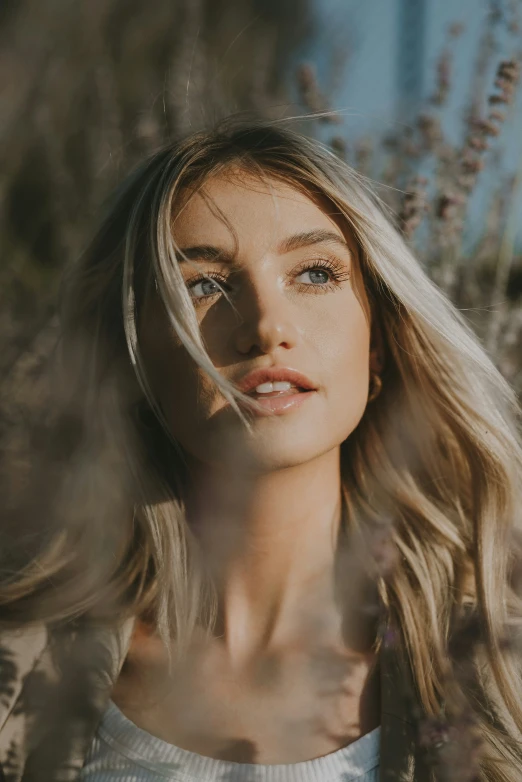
column 56, row 682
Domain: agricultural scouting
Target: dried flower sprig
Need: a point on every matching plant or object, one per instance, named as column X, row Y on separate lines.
column 446, row 205
column 445, row 66
column 456, row 745
column 363, row 155
column 456, row 29
column 450, row 203
column 430, row 131
column 339, row 146
column 312, row 96
column 443, row 82
column 414, row 206
column 433, row 732
column 508, row 76
column 383, row 552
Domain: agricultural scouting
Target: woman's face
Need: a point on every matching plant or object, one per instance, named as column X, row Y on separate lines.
column 295, row 303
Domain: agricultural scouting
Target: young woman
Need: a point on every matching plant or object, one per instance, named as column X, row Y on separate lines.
column 283, row 541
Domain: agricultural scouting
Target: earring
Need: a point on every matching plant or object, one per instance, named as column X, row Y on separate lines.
column 375, row 386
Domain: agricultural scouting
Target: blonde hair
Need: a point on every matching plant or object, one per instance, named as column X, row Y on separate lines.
column 438, row 452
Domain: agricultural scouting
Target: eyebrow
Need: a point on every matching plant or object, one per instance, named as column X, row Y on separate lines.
column 207, row 252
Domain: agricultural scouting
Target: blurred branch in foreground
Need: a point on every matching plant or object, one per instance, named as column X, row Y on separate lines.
column 88, row 89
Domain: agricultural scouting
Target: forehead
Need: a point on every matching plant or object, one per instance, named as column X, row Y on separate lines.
column 239, row 208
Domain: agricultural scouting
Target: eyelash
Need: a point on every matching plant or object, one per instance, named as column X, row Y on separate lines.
column 337, row 270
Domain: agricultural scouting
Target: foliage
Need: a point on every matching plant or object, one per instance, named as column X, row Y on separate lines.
column 90, row 88
column 428, row 183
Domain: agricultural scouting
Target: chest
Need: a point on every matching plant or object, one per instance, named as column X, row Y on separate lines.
column 284, row 707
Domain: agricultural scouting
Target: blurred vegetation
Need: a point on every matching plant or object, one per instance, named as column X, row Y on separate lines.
column 90, row 87
column 428, row 182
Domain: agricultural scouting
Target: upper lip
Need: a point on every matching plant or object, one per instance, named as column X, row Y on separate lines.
column 273, row 374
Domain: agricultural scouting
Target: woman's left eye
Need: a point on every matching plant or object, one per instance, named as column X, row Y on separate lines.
column 316, row 276
column 321, row 276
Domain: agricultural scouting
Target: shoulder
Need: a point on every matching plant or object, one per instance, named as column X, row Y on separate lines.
column 54, row 684
column 21, row 655
column 20, row 651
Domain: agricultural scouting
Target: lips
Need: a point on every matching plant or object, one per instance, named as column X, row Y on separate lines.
column 279, row 402
column 275, row 374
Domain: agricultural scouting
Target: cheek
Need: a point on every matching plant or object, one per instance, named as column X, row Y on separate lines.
column 172, row 375
column 185, row 399
column 217, row 326
column 342, row 344
column 342, row 338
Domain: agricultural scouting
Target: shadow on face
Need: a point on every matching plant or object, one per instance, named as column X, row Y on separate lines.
column 275, row 282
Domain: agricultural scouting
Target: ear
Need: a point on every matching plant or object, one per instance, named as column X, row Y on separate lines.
column 376, row 347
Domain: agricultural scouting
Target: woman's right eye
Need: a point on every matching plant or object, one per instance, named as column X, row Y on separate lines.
column 204, row 287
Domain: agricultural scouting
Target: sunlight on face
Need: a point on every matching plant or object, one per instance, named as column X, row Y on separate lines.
column 294, row 300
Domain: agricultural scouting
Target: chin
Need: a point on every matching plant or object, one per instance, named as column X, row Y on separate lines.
column 268, row 450
column 273, row 443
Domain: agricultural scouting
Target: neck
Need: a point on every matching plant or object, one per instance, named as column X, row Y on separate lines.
column 270, row 543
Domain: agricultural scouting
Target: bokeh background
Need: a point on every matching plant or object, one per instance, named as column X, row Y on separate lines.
column 422, row 96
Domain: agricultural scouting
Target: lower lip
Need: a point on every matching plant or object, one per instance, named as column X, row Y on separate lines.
column 279, row 405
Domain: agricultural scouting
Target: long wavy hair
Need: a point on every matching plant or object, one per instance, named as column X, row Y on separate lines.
column 438, row 453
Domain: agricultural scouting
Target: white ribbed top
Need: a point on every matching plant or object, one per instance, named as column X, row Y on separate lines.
column 122, row 752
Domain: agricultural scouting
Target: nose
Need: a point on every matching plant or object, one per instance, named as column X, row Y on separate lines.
column 267, row 321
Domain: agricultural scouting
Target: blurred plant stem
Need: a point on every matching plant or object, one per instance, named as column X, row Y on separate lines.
column 505, row 262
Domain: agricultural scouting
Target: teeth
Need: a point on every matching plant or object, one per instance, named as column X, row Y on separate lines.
column 268, row 388
column 264, row 388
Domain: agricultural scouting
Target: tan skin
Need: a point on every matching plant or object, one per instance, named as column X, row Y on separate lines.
column 280, row 680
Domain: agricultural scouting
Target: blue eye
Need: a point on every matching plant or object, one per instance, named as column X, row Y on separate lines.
column 316, row 276
column 202, row 288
